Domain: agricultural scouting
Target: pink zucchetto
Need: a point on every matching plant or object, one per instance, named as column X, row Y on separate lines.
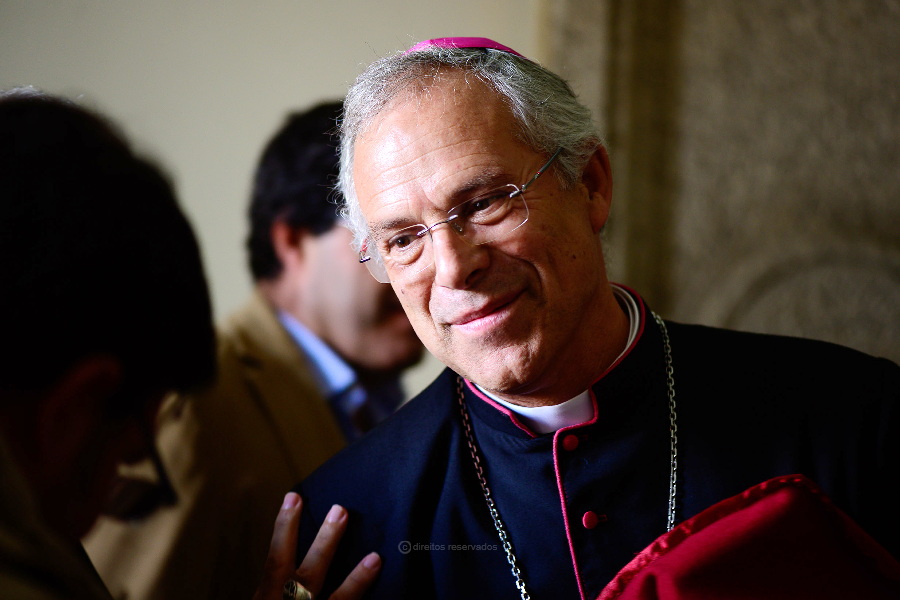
column 462, row 42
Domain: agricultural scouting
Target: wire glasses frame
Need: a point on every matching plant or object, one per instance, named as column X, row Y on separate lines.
column 407, row 252
column 133, row 498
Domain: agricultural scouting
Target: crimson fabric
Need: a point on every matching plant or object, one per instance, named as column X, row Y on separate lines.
column 780, row 539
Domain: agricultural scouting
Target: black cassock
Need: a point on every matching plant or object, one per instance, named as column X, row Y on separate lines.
column 581, row 503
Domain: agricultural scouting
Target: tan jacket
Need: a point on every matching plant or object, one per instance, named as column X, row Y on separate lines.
column 232, row 452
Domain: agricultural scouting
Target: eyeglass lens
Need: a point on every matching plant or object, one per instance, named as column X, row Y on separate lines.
column 403, row 254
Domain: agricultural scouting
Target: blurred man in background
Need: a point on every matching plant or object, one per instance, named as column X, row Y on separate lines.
column 311, row 361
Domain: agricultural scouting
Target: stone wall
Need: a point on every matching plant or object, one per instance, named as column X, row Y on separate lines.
column 756, row 157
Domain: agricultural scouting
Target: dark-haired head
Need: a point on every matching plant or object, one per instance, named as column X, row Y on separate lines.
column 103, row 303
column 294, row 183
column 96, row 257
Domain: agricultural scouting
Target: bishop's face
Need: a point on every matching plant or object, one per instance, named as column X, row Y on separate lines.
column 507, row 315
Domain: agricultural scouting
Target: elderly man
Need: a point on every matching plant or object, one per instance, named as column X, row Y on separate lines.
column 573, row 425
column 311, row 361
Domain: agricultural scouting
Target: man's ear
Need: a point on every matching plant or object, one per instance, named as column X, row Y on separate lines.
column 74, row 406
column 287, row 242
column 597, row 179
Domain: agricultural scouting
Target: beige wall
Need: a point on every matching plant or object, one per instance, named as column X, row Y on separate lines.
column 202, row 85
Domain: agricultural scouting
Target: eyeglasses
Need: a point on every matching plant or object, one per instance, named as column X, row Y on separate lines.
column 134, row 498
column 402, row 254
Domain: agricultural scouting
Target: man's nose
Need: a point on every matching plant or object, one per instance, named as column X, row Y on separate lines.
column 457, row 261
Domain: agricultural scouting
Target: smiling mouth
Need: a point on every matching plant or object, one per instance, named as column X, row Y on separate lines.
column 487, row 316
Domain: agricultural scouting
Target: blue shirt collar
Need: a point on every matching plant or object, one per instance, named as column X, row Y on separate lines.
column 333, row 374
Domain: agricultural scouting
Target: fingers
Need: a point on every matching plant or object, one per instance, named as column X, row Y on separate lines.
column 282, row 549
column 359, row 579
column 315, row 564
column 282, row 552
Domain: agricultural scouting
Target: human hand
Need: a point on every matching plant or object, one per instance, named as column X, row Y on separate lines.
column 311, row 573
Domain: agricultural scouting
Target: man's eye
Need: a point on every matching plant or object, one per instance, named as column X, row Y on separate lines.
column 480, row 204
column 485, row 205
column 401, row 241
column 486, row 210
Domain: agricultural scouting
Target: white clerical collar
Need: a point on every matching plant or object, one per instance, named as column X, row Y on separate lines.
column 580, row 409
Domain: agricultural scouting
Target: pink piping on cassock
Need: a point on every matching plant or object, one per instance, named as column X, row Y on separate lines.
column 557, row 437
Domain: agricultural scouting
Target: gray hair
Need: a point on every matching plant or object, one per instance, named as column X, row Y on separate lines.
column 548, row 114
